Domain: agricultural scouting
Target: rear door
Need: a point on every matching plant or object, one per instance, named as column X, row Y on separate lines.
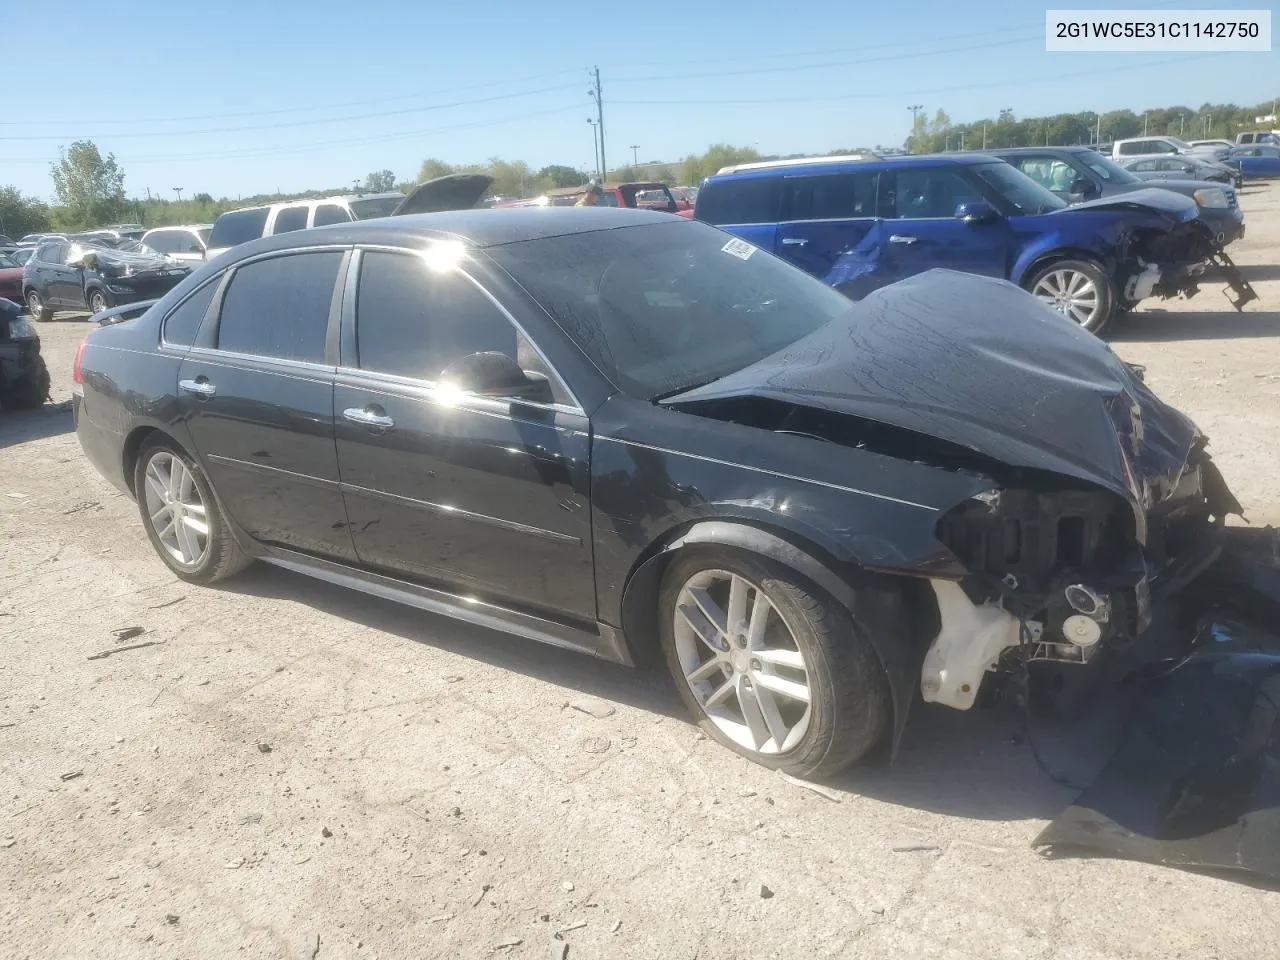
column 922, row 231
column 291, row 218
column 749, row 207
column 476, row 495
column 830, row 228
column 329, row 213
column 256, row 391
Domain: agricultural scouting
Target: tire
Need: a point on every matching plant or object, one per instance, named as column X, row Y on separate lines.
column 810, row 642
column 218, row 556
column 28, row 393
column 36, row 307
column 1069, row 286
column 98, row 301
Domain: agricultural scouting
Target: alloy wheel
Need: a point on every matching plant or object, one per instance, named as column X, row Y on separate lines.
column 1070, row 292
column 35, row 306
column 176, row 509
column 741, row 661
column 97, row 303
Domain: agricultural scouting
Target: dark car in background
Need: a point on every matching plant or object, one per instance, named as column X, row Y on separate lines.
column 66, row 275
column 10, row 278
column 860, row 222
column 626, row 433
column 24, row 378
column 1076, row 174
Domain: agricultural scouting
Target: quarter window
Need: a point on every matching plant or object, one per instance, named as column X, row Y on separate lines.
column 290, row 219
column 182, row 324
column 928, row 194
column 413, row 322
column 833, row 196
column 280, row 307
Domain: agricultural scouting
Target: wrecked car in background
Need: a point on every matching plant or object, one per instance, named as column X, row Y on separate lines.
column 859, row 222
column 68, row 275
column 814, row 510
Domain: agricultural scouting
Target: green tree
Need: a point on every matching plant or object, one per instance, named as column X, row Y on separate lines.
column 20, row 215
column 432, row 168
column 558, row 175
column 380, row 181
column 696, row 167
column 510, row 177
column 90, row 187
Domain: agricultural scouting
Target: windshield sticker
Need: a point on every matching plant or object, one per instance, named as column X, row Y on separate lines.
column 739, row 248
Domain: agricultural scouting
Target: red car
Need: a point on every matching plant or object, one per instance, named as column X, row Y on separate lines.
column 10, row 278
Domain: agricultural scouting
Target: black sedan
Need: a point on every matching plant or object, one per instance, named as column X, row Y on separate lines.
column 71, row 274
column 627, row 433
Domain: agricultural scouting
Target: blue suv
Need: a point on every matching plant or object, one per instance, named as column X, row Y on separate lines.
column 861, row 222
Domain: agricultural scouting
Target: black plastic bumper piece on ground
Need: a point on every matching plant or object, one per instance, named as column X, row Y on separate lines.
column 1244, row 292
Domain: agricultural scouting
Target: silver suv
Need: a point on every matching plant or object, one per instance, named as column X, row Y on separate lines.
column 187, row 243
column 240, row 226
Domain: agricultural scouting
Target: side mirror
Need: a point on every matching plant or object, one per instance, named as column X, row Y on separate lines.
column 977, row 212
column 1084, row 187
column 494, row 374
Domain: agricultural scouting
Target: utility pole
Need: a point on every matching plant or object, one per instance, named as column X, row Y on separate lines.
column 1098, row 138
column 1182, row 118
column 635, row 155
column 148, row 194
column 595, row 148
column 597, row 95
column 915, row 109
column 178, row 191
column 356, row 185
column 1144, row 123
column 984, row 135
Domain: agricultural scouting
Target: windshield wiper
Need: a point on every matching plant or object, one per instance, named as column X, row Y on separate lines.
column 659, row 397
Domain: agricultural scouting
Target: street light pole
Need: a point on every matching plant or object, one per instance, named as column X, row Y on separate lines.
column 178, row 191
column 635, row 154
column 595, row 146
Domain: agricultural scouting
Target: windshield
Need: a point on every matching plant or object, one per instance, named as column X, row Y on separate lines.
column 1180, row 144
column 204, row 233
column 1107, row 169
column 374, row 207
column 664, row 307
column 7, row 261
column 1019, row 190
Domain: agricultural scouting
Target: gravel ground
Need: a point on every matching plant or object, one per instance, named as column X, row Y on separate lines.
column 288, row 761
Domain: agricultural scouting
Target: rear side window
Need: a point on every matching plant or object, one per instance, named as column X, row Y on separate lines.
column 290, row 219
column 182, row 324
column 753, row 200
column 280, row 307
column 833, row 196
column 237, row 227
column 328, row 213
column 413, row 322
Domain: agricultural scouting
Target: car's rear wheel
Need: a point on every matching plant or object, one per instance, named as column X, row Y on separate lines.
column 36, row 307
column 1078, row 289
column 182, row 517
column 29, row 392
column 98, row 301
column 771, row 668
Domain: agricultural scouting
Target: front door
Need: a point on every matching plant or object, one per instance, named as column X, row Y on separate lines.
column 830, row 229
column 482, row 496
column 57, row 283
column 923, row 232
column 257, row 396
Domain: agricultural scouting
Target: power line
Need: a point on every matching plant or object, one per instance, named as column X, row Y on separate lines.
column 881, row 95
column 914, row 55
column 307, row 123
column 282, row 110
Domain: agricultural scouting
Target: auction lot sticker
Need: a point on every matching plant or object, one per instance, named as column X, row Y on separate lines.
column 739, row 248
column 1121, row 31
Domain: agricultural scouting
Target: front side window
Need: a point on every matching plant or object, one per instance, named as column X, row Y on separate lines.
column 414, row 322
column 237, row 227
column 290, row 219
column 328, row 213
column 163, row 241
column 1022, row 194
column 1050, row 172
column 660, row 308
column 280, row 307
column 1143, row 166
column 928, row 194
column 831, row 196
column 182, row 324
column 50, row 252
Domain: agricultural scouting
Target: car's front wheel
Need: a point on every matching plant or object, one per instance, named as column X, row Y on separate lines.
column 182, row 517
column 98, row 301
column 771, row 668
column 36, row 307
column 1078, row 289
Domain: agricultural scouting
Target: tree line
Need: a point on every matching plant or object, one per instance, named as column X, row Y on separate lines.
column 90, row 188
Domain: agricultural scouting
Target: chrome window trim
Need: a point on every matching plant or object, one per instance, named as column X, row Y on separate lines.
column 384, row 384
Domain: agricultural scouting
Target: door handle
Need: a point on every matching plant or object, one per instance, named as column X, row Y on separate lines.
column 793, row 242
column 200, row 387
column 899, row 238
column 367, row 417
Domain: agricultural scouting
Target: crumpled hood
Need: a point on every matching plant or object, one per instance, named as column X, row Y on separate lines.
column 1172, row 206
column 979, row 362
column 116, row 262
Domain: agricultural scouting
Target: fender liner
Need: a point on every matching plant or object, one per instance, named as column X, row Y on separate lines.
column 896, row 613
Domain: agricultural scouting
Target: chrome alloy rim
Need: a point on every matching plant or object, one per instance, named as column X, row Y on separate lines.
column 176, row 510
column 741, row 662
column 1071, row 293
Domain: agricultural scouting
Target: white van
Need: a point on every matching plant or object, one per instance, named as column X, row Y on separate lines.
column 240, row 226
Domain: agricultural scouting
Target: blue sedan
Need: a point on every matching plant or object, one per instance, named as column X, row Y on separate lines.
column 1256, row 160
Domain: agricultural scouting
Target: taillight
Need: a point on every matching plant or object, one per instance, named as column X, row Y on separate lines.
column 76, row 374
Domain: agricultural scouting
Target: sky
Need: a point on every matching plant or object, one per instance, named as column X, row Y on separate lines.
column 238, row 98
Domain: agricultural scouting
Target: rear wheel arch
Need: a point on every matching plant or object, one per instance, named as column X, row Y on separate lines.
column 133, row 445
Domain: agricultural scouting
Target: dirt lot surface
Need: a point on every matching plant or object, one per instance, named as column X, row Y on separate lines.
column 289, row 761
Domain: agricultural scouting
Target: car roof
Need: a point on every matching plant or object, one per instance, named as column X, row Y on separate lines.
column 827, row 164
column 1001, row 151
column 478, row 228
column 182, row 226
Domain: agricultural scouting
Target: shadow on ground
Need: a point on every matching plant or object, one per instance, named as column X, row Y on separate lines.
column 1159, row 326
column 23, row 426
column 976, row 765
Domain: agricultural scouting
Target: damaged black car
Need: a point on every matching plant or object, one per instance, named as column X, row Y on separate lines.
column 631, row 434
column 84, row 275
